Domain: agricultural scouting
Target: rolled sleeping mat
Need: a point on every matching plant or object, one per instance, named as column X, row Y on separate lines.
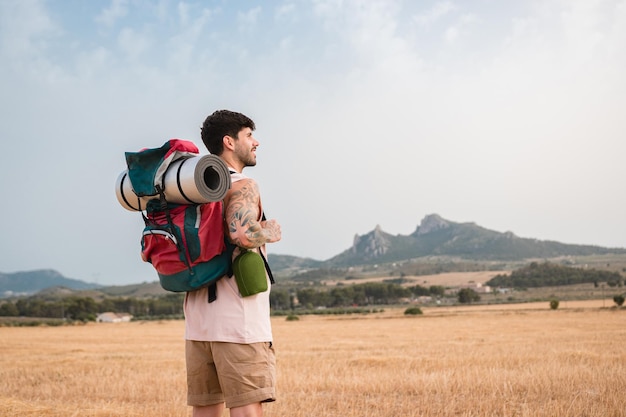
column 194, row 180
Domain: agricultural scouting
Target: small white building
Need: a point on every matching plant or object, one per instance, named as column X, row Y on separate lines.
column 110, row 317
column 424, row 299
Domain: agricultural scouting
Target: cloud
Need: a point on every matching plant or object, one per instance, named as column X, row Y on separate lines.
column 27, row 33
column 115, row 12
column 451, row 34
column 285, row 12
column 435, row 13
column 248, row 18
column 133, row 44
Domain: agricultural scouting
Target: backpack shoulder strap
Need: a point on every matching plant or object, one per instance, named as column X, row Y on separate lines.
column 267, row 265
column 236, row 176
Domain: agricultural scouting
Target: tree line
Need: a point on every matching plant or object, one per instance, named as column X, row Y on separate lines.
column 371, row 293
column 171, row 305
column 87, row 309
column 549, row 274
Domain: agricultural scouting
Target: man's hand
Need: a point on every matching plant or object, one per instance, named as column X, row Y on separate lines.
column 273, row 230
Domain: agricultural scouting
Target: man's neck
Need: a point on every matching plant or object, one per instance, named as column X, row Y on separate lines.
column 232, row 163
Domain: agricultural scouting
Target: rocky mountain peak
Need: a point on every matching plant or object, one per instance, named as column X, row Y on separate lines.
column 371, row 245
column 430, row 223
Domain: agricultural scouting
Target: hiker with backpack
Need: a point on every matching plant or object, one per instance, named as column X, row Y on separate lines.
column 229, row 354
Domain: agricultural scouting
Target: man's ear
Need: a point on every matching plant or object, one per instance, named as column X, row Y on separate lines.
column 229, row 142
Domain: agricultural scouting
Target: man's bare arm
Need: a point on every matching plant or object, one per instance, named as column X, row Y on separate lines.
column 242, row 214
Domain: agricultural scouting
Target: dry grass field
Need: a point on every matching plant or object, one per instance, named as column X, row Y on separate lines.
column 444, row 279
column 513, row 360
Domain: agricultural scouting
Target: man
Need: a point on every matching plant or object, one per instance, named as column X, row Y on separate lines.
column 229, row 353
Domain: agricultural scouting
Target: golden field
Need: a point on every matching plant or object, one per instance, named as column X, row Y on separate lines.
column 513, row 360
column 446, row 279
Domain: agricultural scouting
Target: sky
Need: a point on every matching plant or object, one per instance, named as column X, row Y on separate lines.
column 506, row 114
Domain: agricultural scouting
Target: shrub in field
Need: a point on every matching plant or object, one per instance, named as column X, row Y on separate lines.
column 468, row 295
column 292, row 317
column 554, row 304
column 413, row 311
column 619, row 300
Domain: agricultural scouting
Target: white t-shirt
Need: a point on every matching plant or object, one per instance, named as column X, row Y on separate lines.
column 231, row 317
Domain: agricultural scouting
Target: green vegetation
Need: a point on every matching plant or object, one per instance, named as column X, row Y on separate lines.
column 371, row 293
column 549, row 274
column 538, row 282
column 323, row 311
column 400, row 270
column 86, row 308
column 32, row 322
column 413, row 311
column 554, row 304
column 468, row 296
column 441, row 266
column 318, row 274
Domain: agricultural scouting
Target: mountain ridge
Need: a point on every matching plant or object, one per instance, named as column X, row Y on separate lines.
column 28, row 282
column 436, row 236
column 433, row 237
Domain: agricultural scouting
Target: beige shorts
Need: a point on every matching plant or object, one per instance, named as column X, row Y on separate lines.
column 237, row 374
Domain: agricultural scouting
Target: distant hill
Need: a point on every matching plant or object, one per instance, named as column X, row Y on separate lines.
column 143, row 290
column 30, row 282
column 288, row 262
column 436, row 236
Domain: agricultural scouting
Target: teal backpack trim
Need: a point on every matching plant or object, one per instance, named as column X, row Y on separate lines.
column 202, row 275
column 191, row 232
column 143, row 167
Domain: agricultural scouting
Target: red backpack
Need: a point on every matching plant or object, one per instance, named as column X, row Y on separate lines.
column 185, row 243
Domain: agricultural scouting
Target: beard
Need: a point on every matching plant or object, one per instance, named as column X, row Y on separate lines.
column 247, row 157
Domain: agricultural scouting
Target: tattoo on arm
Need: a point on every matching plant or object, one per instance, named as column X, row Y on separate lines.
column 242, row 216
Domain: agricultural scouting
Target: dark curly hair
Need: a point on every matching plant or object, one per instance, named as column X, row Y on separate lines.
column 223, row 123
